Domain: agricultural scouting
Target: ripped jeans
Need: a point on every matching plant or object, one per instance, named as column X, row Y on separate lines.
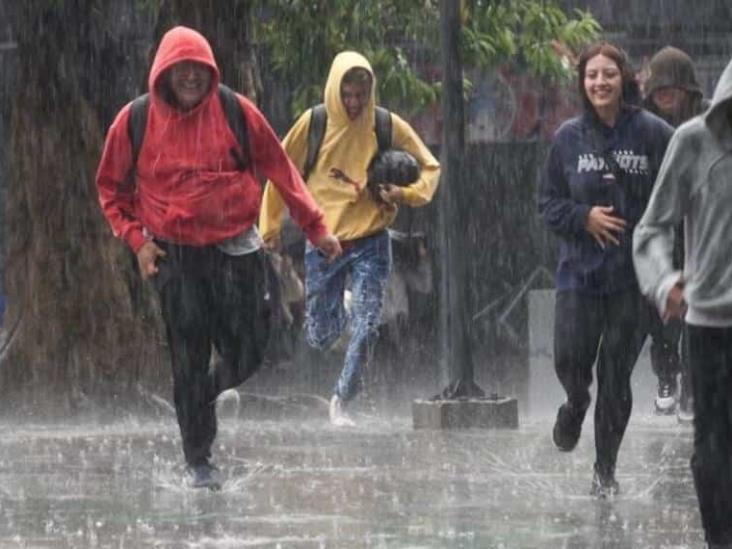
column 368, row 263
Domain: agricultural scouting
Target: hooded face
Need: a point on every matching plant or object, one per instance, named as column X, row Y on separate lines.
column 669, row 100
column 190, row 81
column 355, row 97
column 349, row 91
column 184, row 71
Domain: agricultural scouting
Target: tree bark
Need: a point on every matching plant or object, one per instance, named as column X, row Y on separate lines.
column 76, row 337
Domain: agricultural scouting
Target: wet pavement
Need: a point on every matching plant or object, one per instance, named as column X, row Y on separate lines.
column 300, row 483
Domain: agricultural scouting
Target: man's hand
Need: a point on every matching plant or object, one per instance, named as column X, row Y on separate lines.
column 329, row 246
column 273, row 244
column 391, row 194
column 675, row 304
column 603, row 226
column 147, row 258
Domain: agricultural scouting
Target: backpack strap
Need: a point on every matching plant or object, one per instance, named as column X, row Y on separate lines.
column 382, row 126
column 316, row 132
column 136, row 126
column 237, row 122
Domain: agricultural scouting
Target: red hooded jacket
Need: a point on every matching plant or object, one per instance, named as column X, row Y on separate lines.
column 188, row 189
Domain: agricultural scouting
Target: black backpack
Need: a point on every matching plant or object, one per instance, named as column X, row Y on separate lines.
column 316, row 132
column 234, row 116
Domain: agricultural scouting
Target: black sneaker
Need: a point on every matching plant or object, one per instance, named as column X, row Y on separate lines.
column 604, row 485
column 567, row 428
column 666, row 397
column 205, row 475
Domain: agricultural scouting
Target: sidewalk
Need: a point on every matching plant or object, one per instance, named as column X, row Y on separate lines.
column 300, row 483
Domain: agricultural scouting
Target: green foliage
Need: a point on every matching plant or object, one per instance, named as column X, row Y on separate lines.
column 301, row 38
column 530, row 31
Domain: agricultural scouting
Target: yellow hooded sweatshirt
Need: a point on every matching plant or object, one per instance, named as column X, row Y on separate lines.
column 348, row 145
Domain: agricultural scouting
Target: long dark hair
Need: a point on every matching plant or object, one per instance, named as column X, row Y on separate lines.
column 630, row 91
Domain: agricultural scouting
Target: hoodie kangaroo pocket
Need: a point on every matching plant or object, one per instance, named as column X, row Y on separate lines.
column 217, row 201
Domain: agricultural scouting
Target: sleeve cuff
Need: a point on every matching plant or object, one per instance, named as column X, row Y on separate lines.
column 582, row 212
column 409, row 196
column 667, row 282
column 315, row 231
column 135, row 240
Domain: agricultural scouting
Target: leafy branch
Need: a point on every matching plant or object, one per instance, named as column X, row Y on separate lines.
column 301, row 37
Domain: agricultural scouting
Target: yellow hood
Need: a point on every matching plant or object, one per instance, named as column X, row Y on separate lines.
column 344, row 62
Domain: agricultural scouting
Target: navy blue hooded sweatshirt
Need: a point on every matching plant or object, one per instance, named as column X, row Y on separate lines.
column 577, row 177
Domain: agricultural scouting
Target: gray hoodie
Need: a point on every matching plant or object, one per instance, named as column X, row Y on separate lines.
column 694, row 184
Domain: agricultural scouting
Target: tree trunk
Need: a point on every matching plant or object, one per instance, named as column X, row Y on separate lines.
column 75, row 336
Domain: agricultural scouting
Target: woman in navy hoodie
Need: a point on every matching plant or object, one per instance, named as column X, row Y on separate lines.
column 594, row 189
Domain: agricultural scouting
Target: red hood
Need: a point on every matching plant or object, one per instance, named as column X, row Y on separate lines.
column 181, row 44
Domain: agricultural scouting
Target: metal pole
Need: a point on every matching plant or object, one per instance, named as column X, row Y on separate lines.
column 454, row 313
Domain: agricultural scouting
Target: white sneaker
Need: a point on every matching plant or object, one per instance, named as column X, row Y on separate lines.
column 227, row 403
column 685, row 414
column 666, row 397
column 338, row 416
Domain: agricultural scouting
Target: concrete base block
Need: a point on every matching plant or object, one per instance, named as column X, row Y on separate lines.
column 469, row 413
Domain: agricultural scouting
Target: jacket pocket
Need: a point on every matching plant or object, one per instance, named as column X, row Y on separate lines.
column 215, row 200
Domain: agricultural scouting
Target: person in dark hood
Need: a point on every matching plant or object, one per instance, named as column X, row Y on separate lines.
column 672, row 90
column 673, row 93
column 188, row 215
column 594, row 188
column 693, row 186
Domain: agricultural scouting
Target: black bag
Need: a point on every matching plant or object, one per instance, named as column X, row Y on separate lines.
column 392, row 166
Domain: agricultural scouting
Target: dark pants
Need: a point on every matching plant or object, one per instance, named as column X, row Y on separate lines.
column 687, row 392
column 210, row 299
column 710, row 357
column 664, row 346
column 612, row 329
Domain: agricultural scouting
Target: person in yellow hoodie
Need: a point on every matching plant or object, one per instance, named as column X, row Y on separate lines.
column 337, row 181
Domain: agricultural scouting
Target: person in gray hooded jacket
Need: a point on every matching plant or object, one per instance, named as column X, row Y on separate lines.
column 693, row 185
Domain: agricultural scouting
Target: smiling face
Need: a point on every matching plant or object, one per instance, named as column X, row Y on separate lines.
column 603, row 84
column 189, row 82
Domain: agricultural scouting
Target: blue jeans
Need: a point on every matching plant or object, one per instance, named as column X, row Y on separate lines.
column 368, row 262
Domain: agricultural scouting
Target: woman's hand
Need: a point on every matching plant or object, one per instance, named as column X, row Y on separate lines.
column 604, row 227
